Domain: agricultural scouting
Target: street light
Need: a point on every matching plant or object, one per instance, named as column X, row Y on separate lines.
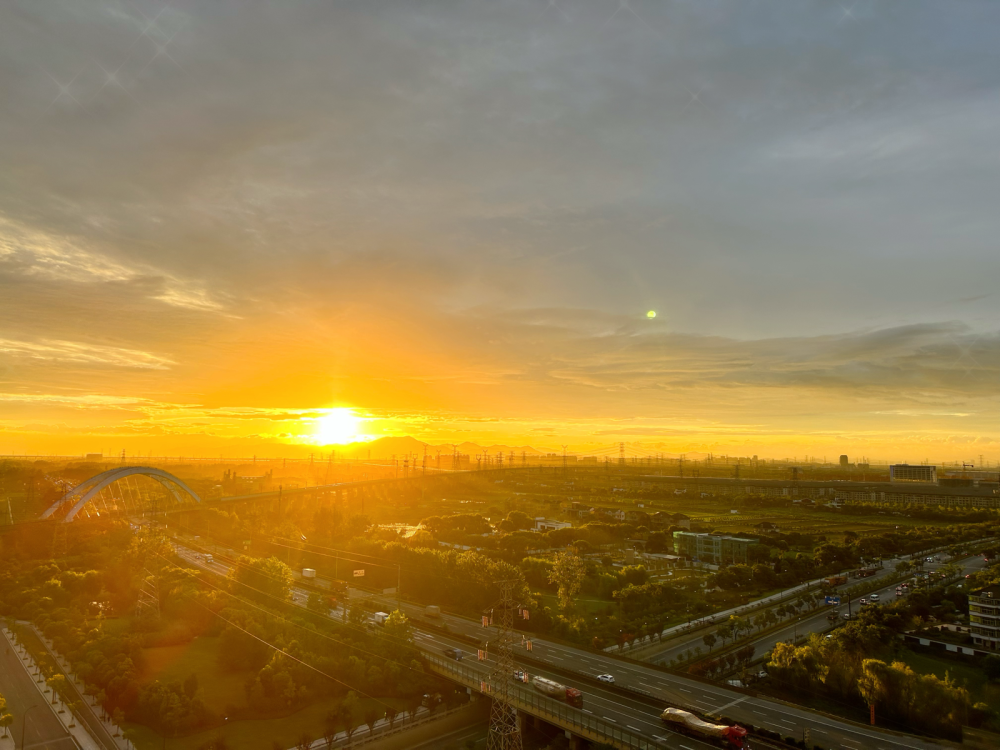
column 24, row 718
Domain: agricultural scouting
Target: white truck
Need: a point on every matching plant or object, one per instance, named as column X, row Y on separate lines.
column 308, row 573
column 687, row 722
column 380, row 617
column 432, row 610
column 556, row 690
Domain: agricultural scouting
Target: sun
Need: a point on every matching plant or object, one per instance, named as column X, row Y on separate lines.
column 338, row 426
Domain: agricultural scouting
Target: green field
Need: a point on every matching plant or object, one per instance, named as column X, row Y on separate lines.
column 222, row 689
column 175, row 663
column 967, row 675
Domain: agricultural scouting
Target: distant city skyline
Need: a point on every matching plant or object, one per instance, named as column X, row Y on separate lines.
column 220, row 222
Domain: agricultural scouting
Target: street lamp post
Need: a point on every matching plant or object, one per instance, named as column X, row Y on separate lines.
column 24, row 718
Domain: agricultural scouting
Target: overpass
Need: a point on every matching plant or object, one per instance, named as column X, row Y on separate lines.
column 624, row 715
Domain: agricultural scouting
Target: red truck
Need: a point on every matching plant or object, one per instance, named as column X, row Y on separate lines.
column 835, row 580
column 553, row 689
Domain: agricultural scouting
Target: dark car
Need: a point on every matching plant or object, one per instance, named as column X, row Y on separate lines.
column 453, row 653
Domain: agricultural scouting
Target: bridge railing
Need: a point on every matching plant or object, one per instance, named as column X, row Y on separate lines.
column 556, row 712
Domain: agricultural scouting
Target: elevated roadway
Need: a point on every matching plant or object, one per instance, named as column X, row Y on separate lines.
column 634, row 703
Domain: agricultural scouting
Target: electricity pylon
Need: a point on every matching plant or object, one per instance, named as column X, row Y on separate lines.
column 148, row 604
column 504, row 733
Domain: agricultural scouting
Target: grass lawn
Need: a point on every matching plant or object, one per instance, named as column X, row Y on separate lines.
column 253, row 735
column 966, row 675
column 219, row 687
column 222, row 688
column 584, row 605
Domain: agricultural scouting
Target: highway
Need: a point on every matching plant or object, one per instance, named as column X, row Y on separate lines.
column 809, row 621
column 42, row 730
column 632, row 711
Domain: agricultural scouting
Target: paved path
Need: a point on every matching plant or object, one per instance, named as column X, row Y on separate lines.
column 42, row 728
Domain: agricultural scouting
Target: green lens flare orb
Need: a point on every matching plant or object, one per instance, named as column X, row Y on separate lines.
column 651, row 314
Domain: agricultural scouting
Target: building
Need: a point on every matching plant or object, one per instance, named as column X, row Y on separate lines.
column 712, row 547
column 908, row 473
column 984, row 617
column 547, row 524
column 844, row 462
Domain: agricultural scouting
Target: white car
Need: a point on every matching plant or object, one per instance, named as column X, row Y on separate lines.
column 606, row 678
column 873, row 597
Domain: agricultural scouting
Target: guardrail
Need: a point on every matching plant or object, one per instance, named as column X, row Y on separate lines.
column 556, row 712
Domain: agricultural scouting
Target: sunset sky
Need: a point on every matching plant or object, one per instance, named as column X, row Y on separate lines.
column 219, row 220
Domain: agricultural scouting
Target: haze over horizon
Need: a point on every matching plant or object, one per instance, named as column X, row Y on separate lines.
column 251, row 228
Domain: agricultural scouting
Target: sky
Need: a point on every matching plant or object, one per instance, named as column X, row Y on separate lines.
column 220, row 220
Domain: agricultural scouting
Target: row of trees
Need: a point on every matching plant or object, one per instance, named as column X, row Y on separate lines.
column 857, row 664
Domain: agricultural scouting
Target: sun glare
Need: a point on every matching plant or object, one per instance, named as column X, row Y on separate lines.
column 338, row 426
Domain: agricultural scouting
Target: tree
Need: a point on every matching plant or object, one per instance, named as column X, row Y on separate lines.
column 371, row 719
column 390, row 715
column 568, row 573
column 874, row 683
column 348, row 712
column 6, row 718
column 57, row 683
column 191, row 685
column 304, row 742
column 261, row 578
column 710, row 640
column 725, row 631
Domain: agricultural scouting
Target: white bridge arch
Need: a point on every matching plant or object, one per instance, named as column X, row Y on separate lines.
column 84, row 492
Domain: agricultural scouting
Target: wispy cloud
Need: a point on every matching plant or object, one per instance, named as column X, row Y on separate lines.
column 90, row 354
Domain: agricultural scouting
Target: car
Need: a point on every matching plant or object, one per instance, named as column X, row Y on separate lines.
column 606, row 678
column 905, row 586
column 968, row 575
column 520, row 676
column 873, row 597
column 832, row 617
column 899, row 591
column 453, row 653
column 847, row 615
column 863, row 601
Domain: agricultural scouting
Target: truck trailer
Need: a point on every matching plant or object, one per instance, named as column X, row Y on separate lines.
column 687, row 722
column 555, row 690
column 835, row 580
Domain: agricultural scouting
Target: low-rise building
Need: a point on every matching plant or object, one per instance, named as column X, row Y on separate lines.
column 984, row 617
column 712, row 548
column 547, row 524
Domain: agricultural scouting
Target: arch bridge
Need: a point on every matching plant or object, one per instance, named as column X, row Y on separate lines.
column 90, row 494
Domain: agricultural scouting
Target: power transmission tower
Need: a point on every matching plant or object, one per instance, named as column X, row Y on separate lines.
column 148, row 603
column 564, row 460
column 621, row 454
column 504, row 733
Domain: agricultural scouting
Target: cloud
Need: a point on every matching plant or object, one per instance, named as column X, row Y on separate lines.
column 90, row 354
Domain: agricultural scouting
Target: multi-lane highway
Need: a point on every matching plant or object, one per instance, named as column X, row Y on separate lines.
column 809, row 621
column 653, row 688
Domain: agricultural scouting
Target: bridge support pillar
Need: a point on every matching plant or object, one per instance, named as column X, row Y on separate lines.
column 575, row 743
column 522, row 722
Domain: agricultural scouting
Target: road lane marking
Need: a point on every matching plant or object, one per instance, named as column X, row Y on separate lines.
column 738, row 700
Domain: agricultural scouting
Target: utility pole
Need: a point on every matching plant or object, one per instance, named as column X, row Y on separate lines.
column 564, row 460
column 503, row 733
